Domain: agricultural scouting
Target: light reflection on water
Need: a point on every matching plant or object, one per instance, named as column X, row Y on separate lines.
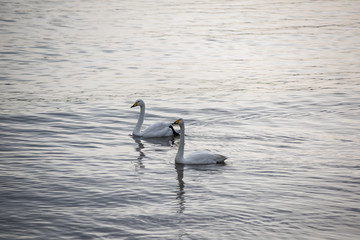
column 272, row 85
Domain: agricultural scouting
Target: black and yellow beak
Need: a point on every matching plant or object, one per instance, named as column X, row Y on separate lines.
column 134, row 105
column 176, row 122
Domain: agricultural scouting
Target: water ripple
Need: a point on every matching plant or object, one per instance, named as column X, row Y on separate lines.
column 274, row 89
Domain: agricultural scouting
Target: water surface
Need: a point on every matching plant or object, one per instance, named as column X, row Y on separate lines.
column 273, row 85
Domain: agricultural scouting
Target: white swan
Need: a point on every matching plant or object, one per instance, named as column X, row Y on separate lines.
column 159, row 129
column 198, row 157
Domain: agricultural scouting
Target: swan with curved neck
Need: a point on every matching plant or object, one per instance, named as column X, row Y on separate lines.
column 198, row 157
column 159, row 129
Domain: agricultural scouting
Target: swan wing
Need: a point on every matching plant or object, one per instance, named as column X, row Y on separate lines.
column 159, row 129
column 203, row 157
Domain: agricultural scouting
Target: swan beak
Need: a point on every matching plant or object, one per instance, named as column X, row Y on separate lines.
column 135, row 104
column 176, row 122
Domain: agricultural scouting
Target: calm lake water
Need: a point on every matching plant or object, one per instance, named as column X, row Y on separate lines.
column 272, row 85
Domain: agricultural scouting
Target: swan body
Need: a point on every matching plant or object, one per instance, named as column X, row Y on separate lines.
column 198, row 157
column 159, row 129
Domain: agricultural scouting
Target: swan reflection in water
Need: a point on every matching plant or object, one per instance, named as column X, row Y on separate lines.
column 180, row 168
column 139, row 163
column 180, row 194
column 163, row 141
column 180, row 191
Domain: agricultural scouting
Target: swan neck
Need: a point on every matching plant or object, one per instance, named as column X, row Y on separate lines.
column 180, row 154
column 140, row 121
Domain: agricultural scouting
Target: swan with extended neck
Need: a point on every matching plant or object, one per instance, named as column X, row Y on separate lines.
column 198, row 157
column 159, row 129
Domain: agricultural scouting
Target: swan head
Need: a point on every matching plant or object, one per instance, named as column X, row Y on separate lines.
column 180, row 121
column 138, row 102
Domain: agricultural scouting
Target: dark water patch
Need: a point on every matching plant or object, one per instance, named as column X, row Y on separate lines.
column 24, row 119
column 7, row 20
column 9, row 53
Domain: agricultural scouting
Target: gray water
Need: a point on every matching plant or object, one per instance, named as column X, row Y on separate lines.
column 272, row 85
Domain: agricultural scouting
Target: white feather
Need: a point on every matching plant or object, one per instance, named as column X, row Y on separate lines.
column 198, row 157
column 159, row 129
